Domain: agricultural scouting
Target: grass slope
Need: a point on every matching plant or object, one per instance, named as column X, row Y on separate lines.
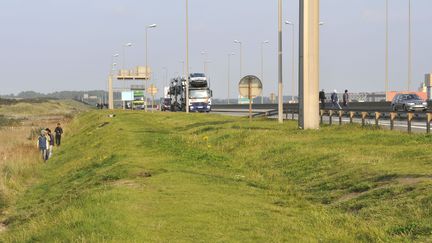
column 207, row 178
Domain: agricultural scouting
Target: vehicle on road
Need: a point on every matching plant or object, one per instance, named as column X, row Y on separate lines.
column 200, row 94
column 408, row 102
column 165, row 104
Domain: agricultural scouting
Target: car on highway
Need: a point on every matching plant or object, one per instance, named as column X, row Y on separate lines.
column 408, row 102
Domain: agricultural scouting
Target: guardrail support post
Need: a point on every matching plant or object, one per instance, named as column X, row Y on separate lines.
column 322, row 112
column 364, row 115
column 340, row 117
column 292, row 113
column 377, row 118
column 392, row 119
column 410, row 118
column 428, row 125
column 351, row 115
column 330, row 117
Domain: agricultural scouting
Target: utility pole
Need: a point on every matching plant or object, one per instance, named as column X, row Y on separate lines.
column 229, row 75
column 409, row 47
column 187, row 56
column 309, row 64
column 387, row 51
column 280, row 87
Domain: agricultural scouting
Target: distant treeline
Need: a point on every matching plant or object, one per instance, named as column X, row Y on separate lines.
column 55, row 95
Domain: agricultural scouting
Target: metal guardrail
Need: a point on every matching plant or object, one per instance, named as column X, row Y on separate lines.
column 364, row 111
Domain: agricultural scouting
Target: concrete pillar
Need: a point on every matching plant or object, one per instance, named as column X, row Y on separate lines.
column 110, row 93
column 428, row 84
column 309, row 65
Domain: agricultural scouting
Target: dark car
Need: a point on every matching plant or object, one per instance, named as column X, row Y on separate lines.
column 165, row 104
column 408, row 102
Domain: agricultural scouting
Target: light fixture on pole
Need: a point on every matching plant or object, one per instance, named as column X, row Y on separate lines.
column 262, row 66
column 292, row 59
column 229, row 74
column 241, row 56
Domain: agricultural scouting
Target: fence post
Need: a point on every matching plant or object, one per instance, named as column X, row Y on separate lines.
column 392, row 118
column 363, row 115
column 410, row 117
column 351, row 117
column 330, row 117
column 377, row 117
column 340, row 117
column 428, row 125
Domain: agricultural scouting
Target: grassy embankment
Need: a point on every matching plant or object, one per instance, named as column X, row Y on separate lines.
column 172, row 177
column 19, row 158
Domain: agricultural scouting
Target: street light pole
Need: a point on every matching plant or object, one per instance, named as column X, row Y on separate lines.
column 387, row 51
column 187, row 56
column 262, row 66
column 409, row 47
column 241, row 56
column 110, row 83
column 147, row 67
column 229, row 74
column 123, row 68
column 292, row 59
column 280, row 87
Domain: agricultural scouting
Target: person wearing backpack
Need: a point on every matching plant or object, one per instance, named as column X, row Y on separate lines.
column 42, row 144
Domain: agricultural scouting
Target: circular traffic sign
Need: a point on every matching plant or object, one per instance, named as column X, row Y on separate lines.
column 250, row 86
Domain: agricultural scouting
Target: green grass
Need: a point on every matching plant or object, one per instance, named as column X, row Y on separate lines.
column 208, row 178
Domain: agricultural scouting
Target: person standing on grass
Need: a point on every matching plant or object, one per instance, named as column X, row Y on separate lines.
column 51, row 143
column 345, row 99
column 42, row 144
column 58, row 134
column 335, row 100
column 322, row 98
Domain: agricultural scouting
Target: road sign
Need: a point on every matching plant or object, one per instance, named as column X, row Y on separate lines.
column 250, row 87
column 152, row 90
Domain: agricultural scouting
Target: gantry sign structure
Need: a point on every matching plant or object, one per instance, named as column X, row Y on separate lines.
column 139, row 73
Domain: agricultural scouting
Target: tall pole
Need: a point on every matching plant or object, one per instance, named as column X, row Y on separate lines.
column 409, row 47
column 229, row 75
column 262, row 66
column 187, row 56
column 293, row 63
column 387, row 51
column 309, row 64
column 280, row 88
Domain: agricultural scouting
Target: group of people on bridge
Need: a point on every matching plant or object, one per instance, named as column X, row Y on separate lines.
column 334, row 100
column 47, row 140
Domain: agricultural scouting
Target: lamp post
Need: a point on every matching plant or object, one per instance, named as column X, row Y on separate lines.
column 241, row 56
column 187, row 56
column 387, row 50
column 229, row 74
column 409, row 47
column 280, row 67
column 147, row 67
column 123, row 68
column 262, row 65
column 110, row 83
column 292, row 59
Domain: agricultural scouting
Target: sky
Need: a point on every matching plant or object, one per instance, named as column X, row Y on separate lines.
column 54, row 45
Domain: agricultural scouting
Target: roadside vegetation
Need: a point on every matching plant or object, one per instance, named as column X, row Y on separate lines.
column 20, row 124
column 208, row 178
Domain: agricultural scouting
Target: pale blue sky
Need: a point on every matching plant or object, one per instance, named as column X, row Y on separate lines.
column 52, row 45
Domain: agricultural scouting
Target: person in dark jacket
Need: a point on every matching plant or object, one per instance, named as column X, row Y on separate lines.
column 345, row 99
column 58, row 134
column 335, row 100
column 322, row 98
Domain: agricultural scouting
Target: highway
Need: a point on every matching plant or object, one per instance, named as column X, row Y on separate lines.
column 418, row 124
